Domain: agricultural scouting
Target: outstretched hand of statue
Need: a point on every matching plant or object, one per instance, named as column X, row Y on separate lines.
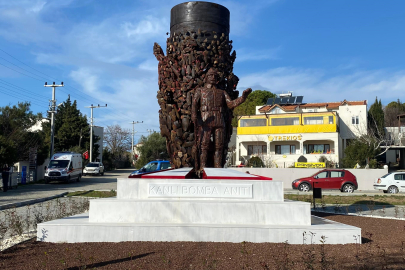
column 247, row 92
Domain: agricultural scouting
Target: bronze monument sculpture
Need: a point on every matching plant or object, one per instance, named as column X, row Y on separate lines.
column 197, row 87
column 209, row 119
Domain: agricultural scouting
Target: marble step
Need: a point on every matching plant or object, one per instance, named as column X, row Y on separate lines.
column 78, row 229
column 203, row 212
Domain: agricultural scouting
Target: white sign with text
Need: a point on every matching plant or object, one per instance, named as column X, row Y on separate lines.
column 201, row 190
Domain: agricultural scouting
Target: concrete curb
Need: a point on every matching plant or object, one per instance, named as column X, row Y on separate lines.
column 24, row 203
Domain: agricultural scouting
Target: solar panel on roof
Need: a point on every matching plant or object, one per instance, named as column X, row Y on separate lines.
column 291, row 100
column 270, row 101
column 299, row 99
column 277, row 100
column 284, row 100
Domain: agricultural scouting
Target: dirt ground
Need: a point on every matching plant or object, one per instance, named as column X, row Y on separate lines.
column 383, row 248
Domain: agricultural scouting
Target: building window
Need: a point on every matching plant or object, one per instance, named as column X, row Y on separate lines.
column 330, row 119
column 318, row 148
column 257, row 150
column 290, row 121
column 253, row 122
column 313, row 120
column 276, row 110
column 355, row 120
column 285, row 149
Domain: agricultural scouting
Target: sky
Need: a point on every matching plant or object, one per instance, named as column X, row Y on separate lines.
column 326, row 51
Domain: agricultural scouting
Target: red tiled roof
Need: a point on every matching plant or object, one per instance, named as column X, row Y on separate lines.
column 285, row 108
column 331, row 105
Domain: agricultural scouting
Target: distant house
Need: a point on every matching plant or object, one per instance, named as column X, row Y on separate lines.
column 281, row 132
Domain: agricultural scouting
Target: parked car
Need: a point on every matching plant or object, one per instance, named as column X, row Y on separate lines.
column 64, row 166
column 391, row 182
column 152, row 166
column 94, row 168
column 340, row 179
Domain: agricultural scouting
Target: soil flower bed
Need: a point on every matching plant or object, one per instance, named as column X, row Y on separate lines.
column 383, row 247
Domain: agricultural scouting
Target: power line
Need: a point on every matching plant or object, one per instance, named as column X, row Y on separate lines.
column 27, row 94
column 79, row 93
column 23, row 89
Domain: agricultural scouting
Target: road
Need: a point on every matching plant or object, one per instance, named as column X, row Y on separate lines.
column 38, row 191
column 32, row 192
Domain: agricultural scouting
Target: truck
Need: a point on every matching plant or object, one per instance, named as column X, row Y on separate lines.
column 64, row 166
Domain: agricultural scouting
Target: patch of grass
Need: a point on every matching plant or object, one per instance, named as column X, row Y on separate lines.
column 359, row 199
column 93, row 193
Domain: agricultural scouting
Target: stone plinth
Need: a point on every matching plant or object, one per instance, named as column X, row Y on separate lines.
column 170, row 207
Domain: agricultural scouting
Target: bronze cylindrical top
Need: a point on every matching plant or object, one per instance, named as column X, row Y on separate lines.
column 191, row 16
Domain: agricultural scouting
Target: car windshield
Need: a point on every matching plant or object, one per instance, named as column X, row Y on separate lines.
column 92, row 165
column 58, row 164
column 314, row 174
column 150, row 167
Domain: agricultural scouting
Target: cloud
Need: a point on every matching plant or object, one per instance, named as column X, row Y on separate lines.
column 87, row 78
column 319, row 86
column 257, row 55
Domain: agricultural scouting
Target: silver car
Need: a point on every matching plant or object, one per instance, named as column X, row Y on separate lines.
column 391, row 182
column 95, row 168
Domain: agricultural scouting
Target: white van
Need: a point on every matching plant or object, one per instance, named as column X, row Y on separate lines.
column 64, row 166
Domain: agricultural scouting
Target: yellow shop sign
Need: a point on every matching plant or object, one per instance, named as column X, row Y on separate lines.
column 285, row 138
column 309, row 164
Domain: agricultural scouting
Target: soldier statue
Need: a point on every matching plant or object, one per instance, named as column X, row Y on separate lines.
column 208, row 114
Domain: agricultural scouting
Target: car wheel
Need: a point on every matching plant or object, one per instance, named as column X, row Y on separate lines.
column 46, row 181
column 78, row 178
column 304, row 187
column 349, row 188
column 68, row 180
column 102, row 173
column 392, row 189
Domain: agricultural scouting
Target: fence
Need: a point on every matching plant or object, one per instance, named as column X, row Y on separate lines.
column 17, row 178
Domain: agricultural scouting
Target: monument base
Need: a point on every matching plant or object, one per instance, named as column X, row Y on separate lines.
column 170, row 207
column 78, row 229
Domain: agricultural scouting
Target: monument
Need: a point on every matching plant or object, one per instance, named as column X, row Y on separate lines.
column 198, row 46
column 196, row 96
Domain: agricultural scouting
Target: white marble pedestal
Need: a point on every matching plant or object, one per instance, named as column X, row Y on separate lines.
column 171, row 208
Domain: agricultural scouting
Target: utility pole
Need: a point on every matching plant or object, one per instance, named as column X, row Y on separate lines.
column 133, row 133
column 91, row 128
column 53, row 111
column 150, row 131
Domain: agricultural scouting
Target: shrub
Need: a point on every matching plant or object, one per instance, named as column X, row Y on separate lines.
column 328, row 163
column 373, row 164
column 255, row 162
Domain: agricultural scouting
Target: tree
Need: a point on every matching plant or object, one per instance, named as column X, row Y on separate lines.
column 256, row 98
column 360, row 151
column 391, row 111
column 118, row 141
column 72, row 131
column 376, row 119
column 153, row 148
column 15, row 136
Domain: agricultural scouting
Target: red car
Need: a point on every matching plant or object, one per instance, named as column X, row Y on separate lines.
column 343, row 180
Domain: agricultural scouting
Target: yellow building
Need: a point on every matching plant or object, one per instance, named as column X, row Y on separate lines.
column 280, row 134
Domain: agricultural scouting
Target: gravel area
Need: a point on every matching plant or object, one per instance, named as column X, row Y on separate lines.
column 383, row 248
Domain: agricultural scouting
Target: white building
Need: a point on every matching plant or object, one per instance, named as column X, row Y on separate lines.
column 281, row 133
